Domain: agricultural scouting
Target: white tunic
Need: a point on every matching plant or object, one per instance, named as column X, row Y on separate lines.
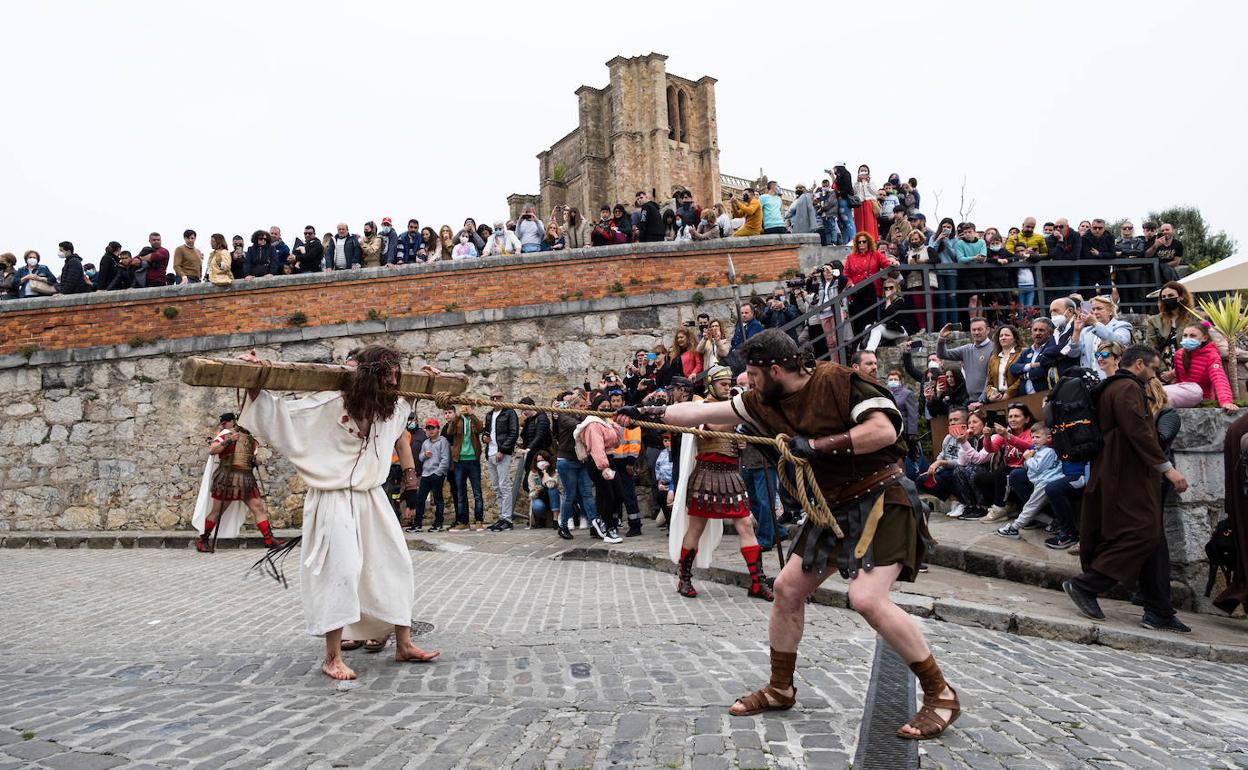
column 355, row 571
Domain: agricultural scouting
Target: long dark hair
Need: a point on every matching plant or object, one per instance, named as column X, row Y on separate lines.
column 366, row 397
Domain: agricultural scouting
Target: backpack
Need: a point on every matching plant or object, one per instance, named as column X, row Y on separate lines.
column 1221, row 552
column 1070, row 413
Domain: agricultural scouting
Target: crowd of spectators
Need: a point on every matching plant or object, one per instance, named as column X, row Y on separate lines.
column 884, row 226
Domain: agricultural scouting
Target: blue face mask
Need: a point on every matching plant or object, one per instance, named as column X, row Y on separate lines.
column 893, row 384
column 1189, row 343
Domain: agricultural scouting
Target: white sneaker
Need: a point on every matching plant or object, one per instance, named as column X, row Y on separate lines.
column 955, row 510
column 997, row 513
column 584, row 524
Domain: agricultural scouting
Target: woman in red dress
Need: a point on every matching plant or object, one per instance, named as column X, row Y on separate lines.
column 866, row 218
column 863, row 261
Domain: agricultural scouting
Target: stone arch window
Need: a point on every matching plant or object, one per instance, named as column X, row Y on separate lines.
column 673, row 115
column 683, row 114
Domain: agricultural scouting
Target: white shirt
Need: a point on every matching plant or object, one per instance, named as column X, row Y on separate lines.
column 492, row 449
column 340, row 252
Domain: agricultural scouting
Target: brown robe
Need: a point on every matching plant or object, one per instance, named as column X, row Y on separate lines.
column 1120, row 525
column 1237, row 512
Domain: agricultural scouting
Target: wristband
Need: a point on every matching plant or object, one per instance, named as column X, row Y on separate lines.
column 838, row 444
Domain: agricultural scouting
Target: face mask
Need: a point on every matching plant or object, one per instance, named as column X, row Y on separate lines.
column 1189, row 344
column 1059, row 322
column 411, row 426
column 542, row 464
column 994, row 248
column 1170, row 303
column 893, row 384
column 933, row 365
column 31, row 262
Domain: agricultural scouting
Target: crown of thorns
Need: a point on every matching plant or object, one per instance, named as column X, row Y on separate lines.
column 768, row 359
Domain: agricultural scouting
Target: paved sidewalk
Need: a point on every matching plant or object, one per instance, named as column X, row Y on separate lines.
column 946, row 594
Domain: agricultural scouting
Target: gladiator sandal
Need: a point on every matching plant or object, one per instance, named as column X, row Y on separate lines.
column 927, row 721
column 684, row 573
column 771, row 697
column 758, row 581
column 266, row 529
column 204, row 543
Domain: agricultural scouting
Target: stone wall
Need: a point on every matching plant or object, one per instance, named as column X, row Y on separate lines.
column 108, row 437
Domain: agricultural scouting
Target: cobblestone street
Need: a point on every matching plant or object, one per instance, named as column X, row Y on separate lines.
column 169, row 659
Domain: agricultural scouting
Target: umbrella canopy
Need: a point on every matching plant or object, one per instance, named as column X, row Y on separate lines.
column 1230, row 274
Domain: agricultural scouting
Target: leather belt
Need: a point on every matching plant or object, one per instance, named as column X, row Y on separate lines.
column 874, row 483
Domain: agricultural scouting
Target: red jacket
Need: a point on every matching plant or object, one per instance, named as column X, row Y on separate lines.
column 1206, row 371
column 860, row 267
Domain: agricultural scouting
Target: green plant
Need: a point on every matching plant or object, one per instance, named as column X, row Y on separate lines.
column 476, row 351
column 559, row 172
column 698, row 298
column 297, row 318
column 139, row 341
column 28, row 734
column 26, row 351
column 451, row 308
column 563, row 297
column 373, row 315
column 1229, row 317
column 749, row 277
column 616, row 288
column 579, row 295
column 171, row 312
column 1201, row 246
column 634, row 280
column 143, row 378
column 792, row 272
column 702, row 280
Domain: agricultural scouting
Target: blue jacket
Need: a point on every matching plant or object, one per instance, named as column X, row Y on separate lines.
column 389, row 246
column 352, row 248
column 408, row 249
column 750, row 329
column 280, row 252
column 40, row 270
column 1039, row 375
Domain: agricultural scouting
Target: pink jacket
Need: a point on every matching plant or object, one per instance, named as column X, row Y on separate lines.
column 969, row 455
column 600, row 438
column 1206, row 371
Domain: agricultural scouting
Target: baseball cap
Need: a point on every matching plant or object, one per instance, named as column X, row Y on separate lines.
column 387, row 221
column 681, row 382
column 431, row 423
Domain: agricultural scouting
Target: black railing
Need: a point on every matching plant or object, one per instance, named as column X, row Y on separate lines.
column 1130, row 280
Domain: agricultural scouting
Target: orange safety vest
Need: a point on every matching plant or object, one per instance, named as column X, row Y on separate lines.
column 630, row 444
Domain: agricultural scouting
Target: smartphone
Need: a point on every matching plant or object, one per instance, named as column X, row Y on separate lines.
column 1086, row 306
column 916, row 345
column 652, row 356
column 955, row 327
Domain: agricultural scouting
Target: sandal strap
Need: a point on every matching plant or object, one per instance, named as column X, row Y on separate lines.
column 942, row 703
column 758, row 699
column 927, row 718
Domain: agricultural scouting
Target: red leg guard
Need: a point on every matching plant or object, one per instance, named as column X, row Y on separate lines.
column 266, row 529
column 754, row 561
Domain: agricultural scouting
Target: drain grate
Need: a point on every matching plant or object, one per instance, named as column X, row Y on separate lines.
column 890, row 702
column 420, row 628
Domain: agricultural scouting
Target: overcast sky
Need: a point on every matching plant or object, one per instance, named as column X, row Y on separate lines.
column 127, row 116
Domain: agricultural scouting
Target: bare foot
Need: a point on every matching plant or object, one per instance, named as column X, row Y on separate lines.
column 943, row 714
column 738, row 708
column 336, row 669
column 410, row 653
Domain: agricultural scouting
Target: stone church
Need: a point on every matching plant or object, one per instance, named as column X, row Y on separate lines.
column 646, row 130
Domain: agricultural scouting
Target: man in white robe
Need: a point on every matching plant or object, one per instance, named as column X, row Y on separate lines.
column 355, row 572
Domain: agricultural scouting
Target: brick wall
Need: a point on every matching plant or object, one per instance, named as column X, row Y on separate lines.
column 116, row 318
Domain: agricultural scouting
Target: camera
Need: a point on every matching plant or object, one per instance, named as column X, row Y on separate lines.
column 690, row 324
column 916, row 345
column 796, row 283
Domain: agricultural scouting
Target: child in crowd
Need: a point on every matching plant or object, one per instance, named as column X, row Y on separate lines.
column 1062, row 494
column 1043, row 466
column 663, row 478
column 974, row 459
column 938, row 479
column 465, row 249
column 544, row 494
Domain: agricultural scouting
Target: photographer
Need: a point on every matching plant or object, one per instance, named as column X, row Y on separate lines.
column 713, row 347
column 779, row 312
column 749, row 209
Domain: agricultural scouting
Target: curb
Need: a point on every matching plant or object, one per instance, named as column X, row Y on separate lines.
column 959, row 612
column 181, row 540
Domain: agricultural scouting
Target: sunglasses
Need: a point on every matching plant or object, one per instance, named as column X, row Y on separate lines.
column 1103, row 354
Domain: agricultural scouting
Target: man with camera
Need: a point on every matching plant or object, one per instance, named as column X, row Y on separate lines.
column 779, row 312
column 973, row 356
column 747, row 207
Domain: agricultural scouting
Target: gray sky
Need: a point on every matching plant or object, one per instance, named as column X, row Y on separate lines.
column 228, row 116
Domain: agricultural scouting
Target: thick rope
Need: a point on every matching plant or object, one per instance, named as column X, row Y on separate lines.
column 803, row 487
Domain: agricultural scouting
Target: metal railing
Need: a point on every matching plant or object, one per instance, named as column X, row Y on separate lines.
column 852, row 327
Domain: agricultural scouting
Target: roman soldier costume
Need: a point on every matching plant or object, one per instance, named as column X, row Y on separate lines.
column 234, row 481
column 716, row 491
